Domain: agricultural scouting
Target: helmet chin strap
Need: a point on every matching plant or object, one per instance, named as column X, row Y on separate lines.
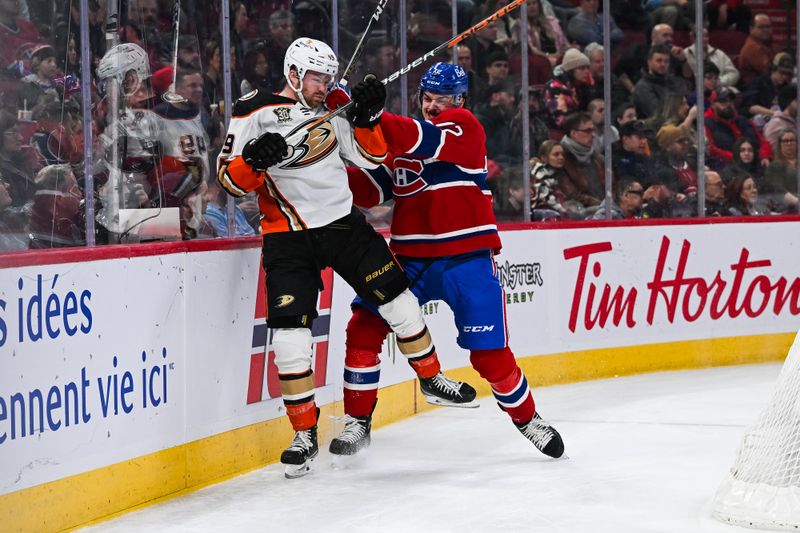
column 298, row 91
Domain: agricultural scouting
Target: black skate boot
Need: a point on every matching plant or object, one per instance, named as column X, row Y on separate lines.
column 354, row 437
column 543, row 436
column 300, row 453
column 441, row 390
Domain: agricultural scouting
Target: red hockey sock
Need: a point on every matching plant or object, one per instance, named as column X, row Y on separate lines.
column 365, row 335
column 509, row 386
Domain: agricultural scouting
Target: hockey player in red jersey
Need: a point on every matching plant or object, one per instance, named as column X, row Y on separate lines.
column 308, row 221
column 444, row 234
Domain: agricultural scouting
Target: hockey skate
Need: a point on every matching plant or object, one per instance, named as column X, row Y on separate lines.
column 441, row 390
column 300, row 453
column 354, row 437
column 543, row 436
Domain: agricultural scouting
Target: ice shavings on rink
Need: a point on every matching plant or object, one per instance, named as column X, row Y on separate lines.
column 646, row 454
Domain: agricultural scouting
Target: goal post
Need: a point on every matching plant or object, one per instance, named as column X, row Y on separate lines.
column 762, row 488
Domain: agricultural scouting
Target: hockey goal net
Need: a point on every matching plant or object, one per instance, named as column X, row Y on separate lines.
column 762, row 489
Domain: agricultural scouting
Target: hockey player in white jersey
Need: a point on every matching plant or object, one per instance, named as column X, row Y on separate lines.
column 308, row 221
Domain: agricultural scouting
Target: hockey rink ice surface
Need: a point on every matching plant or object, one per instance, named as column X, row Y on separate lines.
column 646, row 454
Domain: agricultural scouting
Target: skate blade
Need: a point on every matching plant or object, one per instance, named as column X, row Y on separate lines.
column 296, row 471
column 435, row 400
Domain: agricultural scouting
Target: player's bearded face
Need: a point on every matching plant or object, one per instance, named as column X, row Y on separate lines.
column 315, row 88
column 433, row 104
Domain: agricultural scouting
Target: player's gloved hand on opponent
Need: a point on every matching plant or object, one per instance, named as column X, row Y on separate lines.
column 369, row 98
column 338, row 95
column 266, row 151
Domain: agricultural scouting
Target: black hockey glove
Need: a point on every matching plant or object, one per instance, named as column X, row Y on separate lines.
column 266, row 151
column 369, row 98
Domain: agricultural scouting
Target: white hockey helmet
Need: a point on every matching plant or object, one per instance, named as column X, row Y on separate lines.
column 306, row 54
column 128, row 64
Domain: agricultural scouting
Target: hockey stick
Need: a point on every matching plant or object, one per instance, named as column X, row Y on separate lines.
column 360, row 46
column 171, row 96
column 503, row 11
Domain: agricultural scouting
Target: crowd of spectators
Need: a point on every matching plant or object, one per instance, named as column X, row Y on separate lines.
column 156, row 130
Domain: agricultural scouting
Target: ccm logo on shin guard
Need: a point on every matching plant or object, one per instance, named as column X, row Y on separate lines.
column 385, row 268
column 477, row 329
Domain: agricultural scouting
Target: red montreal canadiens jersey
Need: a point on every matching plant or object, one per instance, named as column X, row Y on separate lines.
column 436, row 174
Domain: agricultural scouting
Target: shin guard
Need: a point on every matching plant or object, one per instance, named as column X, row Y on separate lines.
column 509, row 386
column 365, row 335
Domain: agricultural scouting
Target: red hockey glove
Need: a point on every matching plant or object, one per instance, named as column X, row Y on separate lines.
column 338, row 95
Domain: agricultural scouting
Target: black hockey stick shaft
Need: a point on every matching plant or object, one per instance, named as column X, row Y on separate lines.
column 503, row 11
column 376, row 16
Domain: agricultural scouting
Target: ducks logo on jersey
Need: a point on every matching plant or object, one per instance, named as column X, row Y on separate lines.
column 315, row 145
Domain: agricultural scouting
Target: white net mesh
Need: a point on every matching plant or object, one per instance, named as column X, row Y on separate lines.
column 762, row 489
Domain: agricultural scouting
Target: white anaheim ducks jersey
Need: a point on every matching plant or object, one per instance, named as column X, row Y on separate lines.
column 182, row 135
column 309, row 188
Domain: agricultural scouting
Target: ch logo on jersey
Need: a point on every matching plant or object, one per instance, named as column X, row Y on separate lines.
column 283, row 114
column 283, row 300
column 407, row 177
column 315, row 146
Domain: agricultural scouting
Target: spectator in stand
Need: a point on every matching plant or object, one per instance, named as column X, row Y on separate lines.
column 496, row 115
column 142, row 28
column 13, row 221
column 619, row 92
column 597, row 110
column 756, row 54
column 213, row 87
column 780, row 179
column 546, row 197
column 216, row 213
column 587, row 25
column 715, row 196
column 538, row 130
column 569, row 90
column 545, row 37
column 189, row 52
column 760, row 100
column 628, row 204
column 710, row 84
column 513, row 209
column 674, row 110
column 630, row 159
column 656, row 83
column 583, row 178
column 677, row 13
column 783, row 119
column 239, row 20
column 724, row 14
column 55, row 213
column 744, row 162
column 19, row 38
column 15, row 166
column 497, row 68
column 483, row 46
column 659, row 198
column 476, row 84
column 742, row 197
column 631, row 65
column 58, row 137
column 256, row 72
column 674, row 169
column 724, row 126
column 624, row 113
column 40, row 83
column 727, row 71
column 281, row 35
